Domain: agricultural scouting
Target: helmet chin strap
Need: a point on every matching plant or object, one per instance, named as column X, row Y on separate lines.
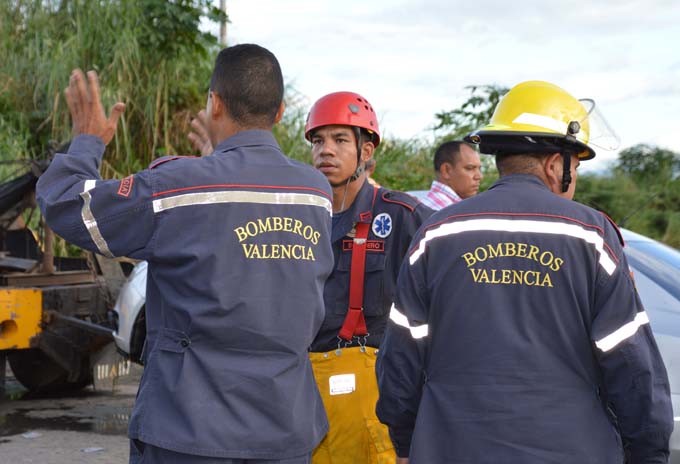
column 566, row 170
column 358, row 172
column 360, row 166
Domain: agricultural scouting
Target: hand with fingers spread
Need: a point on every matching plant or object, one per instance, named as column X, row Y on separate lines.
column 84, row 103
column 199, row 136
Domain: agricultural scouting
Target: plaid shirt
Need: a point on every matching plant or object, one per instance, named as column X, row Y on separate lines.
column 440, row 196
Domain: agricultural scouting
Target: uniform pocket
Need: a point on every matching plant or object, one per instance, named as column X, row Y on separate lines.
column 137, row 449
column 381, row 442
column 374, row 275
column 173, row 340
column 168, row 358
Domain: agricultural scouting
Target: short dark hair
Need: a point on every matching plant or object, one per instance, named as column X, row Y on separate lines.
column 525, row 163
column 449, row 152
column 248, row 79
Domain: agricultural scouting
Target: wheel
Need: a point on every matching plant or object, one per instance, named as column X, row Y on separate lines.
column 39, row 373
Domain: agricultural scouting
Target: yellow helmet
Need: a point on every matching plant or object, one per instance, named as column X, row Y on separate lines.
column 537, row 117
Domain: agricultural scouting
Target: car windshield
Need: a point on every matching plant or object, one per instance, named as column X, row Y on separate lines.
column 656, row 269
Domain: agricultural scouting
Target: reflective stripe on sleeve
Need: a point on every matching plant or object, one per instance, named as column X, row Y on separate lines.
column 419, row 331
column 235, row 196
column 622, row 333
column 90, row 221
column 508, row 225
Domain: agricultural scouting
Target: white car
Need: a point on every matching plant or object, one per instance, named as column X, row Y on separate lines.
column 131, row 332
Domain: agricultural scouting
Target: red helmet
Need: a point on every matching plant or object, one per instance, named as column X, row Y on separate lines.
column 343, row 109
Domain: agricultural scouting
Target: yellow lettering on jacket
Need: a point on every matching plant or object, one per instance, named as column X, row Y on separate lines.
column 511, row 277
column 491, row 251
column 278, row 251
column 259, row 226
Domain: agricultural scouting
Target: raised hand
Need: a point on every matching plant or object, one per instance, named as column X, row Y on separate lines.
column 199, row 136
column 87, row 113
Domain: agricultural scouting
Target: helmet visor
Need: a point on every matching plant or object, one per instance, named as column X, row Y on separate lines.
column 600, row 133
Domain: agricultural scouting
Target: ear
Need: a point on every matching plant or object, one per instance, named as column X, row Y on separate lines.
column 446, row 170
column 219, row 109
column 367, row 150
column 279, row 113
column 552, row 169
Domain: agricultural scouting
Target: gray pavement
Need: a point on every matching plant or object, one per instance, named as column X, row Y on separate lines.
column 85, row 427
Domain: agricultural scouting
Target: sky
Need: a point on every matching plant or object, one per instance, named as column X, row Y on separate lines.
column 414, row 58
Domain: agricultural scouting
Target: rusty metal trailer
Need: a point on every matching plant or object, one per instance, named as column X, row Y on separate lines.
column 55, row 313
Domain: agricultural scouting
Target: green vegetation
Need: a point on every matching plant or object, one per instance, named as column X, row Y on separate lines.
column 641, row 193
column 148, row 53
column 152, row 55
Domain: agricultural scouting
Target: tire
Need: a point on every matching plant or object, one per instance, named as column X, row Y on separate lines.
column 41, row 374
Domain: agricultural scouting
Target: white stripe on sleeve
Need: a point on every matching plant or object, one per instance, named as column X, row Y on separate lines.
column 90, row 221
column 622, row 333
column 419, row 331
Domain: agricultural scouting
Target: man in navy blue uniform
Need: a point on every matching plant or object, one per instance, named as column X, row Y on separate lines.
column 238, row 245
column 517, row 334
column 372, row 229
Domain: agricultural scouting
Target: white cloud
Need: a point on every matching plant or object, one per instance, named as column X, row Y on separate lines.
column 412, row 58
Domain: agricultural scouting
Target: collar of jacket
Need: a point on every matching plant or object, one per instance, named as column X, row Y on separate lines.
column 361, row 210
column 254, row 137
column 514, row 179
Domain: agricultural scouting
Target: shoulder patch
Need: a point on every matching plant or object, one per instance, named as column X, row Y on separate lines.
column 382, row 225
column 399, row 198
column 155, row 163
column 616, row 228
column 125, row 187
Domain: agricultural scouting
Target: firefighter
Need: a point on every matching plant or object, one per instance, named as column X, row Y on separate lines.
column 527, row 341
column 238, row 246
column 372, row 228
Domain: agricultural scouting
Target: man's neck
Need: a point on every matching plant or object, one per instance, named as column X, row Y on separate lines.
column 228, row 128
column 345, row 194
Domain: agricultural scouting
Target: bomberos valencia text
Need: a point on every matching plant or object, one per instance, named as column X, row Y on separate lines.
column 478, row 261
column 256, row 227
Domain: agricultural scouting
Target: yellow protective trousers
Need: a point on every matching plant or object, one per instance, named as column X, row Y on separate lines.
column 349, row 389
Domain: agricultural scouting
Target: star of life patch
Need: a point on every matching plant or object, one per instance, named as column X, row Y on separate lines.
column 382, row 225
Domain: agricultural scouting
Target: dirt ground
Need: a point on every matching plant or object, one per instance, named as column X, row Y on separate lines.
column 87, row 427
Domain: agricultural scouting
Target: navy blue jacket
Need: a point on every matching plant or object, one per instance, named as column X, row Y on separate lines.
column 238, row 249
column 518, row 336
column 394, row 217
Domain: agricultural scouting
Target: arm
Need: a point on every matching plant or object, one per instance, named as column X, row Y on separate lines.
column 109, row 217
column 401, row 359
column 635, row 380
column 87, row 113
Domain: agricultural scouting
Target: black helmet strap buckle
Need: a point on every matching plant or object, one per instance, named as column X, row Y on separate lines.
column 573, row 128
column 566, row 170
column 360, row 167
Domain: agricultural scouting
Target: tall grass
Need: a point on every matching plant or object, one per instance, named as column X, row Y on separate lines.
column 162, row 79
column 148, row 53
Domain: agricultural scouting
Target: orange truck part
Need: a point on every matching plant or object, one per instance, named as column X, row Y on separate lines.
column 20, row 317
